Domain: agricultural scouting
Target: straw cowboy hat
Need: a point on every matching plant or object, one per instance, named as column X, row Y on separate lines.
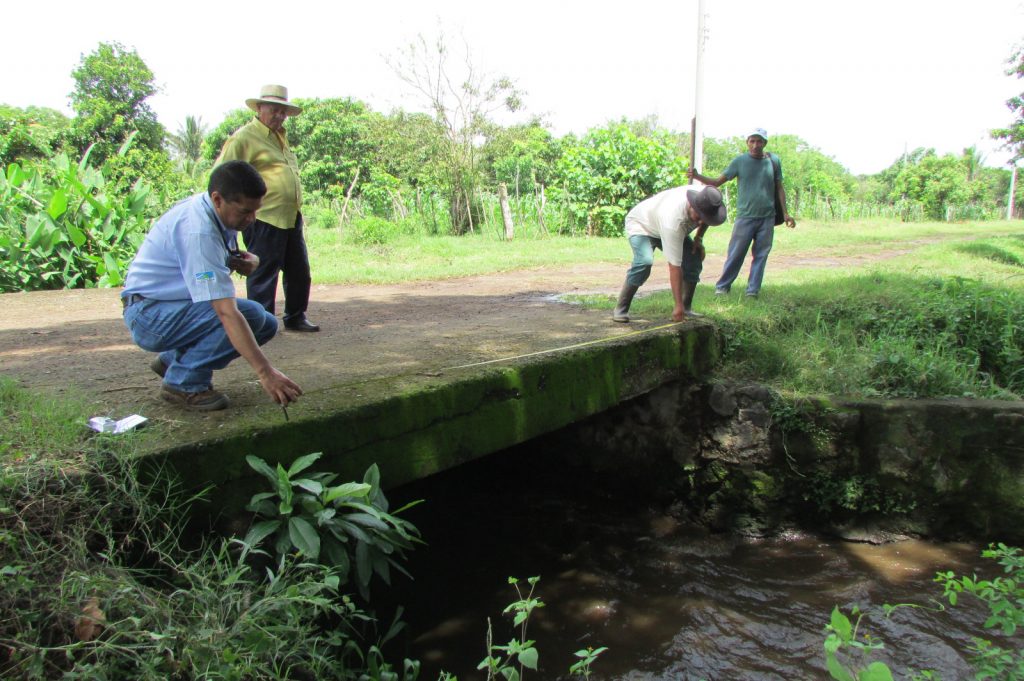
column 273, row 94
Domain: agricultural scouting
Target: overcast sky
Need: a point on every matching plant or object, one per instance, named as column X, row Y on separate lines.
column 861, row 81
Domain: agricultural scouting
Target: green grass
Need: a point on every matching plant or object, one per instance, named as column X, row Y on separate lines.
column 940, row 321
column 334, row 260
column 936, row 317
column 338, row 258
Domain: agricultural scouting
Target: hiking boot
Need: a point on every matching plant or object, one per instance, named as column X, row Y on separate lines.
column 158, row 366
column 207, row 400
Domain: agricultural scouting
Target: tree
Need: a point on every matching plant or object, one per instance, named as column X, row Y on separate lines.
column 33, row 132
column 215, row 139
column 937, row 183
column 112, row 85
column 188, row 141
column 462, row 104
column 521, row 156
column 1013, row 135
column 332, row 141
column 610, row 170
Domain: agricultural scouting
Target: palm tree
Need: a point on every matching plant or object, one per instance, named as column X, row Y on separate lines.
column 188, row 141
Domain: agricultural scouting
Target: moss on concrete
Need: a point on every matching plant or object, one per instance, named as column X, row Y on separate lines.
column 414, row 426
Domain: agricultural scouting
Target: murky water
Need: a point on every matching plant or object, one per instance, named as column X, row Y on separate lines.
column 669, row 601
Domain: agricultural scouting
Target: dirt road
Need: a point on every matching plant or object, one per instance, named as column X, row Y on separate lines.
column 75, row 343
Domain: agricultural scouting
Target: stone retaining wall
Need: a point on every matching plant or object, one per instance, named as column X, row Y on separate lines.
column 741, row 458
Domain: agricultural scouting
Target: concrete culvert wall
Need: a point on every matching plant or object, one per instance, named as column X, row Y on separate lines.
column 741, row 458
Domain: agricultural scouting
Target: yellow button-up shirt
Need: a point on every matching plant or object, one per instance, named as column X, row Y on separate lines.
column 267, row 150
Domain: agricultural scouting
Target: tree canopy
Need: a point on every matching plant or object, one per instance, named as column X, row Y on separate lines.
column 1013, row 134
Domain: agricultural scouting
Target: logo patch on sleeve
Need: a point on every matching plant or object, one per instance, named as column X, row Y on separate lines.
column 204, row 276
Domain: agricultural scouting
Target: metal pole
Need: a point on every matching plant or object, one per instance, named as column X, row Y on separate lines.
column 698, row 112
column 1013, row 187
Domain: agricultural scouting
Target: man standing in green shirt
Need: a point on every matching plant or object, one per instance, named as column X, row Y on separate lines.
column 760, row 180
column 276, row 236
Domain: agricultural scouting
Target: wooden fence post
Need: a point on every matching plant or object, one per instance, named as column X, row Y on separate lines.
column 506, row 212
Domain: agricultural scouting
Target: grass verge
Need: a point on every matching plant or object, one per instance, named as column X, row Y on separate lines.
column 943, row 321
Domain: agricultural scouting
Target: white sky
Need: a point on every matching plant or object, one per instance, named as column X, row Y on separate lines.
column 860, row 80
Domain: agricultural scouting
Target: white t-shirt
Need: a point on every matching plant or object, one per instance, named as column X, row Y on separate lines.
column 664, row 216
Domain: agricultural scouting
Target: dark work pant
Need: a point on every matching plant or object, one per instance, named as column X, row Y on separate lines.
column 280, row 251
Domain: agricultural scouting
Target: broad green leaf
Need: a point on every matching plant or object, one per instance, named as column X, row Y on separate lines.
column 261, row 531
column 76, row 234
column 15, row 175
column 367, row 520
column 113, row 269
column 832, row 643
column 364, row 567
column 876, row 671
column 349, row 489
column 354, row 530
column 837, row 671
column 324, row 515
column 35, row 230
column 304, row 537
column 261, row 467
column 58, row 204
column 528, row 658
column 302, row 463
column 311, row 486
column 381, row 567
column 372, row 476
column 841, row 624
column 337, row 557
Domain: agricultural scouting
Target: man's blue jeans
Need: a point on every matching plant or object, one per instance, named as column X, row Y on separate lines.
column 190, row 338
column 643, row 260
column 760, row 232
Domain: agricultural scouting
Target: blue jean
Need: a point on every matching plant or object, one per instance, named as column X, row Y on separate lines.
column 190, row 338
column 757, row 231
column 643, row 260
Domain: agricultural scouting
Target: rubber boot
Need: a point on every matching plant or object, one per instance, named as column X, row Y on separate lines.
column 688, row 290
column 621, row 312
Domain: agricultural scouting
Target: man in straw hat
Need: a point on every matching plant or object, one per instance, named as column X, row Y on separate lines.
column 760, row 178
column 665, row 221
column 276, row 236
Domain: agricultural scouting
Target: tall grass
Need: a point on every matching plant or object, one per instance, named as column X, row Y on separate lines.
column 98, row 579
column 943, row 321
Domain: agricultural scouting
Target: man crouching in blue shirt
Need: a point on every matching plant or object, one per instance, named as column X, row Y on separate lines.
column 179, row 299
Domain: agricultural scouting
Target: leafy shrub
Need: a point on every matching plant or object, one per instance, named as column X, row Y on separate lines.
column 848, row 653
column 338, row 525
column 62, row 227
column 609, row 171
column 372, row 231
column 95, row 582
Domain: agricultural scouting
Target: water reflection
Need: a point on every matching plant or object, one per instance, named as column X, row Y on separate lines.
column 620, row 569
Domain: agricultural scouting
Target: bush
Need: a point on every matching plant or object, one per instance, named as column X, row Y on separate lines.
column 95, row 581
column 371, row 231
column 63, row 226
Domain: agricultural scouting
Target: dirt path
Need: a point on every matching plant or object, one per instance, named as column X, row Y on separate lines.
column 75, row 341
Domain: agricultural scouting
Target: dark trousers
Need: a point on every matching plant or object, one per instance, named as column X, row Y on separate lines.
column 280, row 251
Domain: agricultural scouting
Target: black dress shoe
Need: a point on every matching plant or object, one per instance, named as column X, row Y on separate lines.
column 301, row 324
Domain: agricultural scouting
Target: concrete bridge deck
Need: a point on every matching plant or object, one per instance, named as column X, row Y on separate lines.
column 415, row 377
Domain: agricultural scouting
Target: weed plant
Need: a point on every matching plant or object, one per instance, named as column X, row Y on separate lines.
column 95, row 582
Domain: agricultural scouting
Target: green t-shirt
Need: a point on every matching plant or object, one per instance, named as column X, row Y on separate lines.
column 756, row 194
